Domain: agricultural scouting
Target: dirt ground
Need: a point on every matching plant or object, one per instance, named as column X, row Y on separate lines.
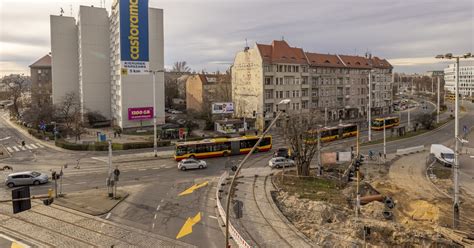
column 421, row 209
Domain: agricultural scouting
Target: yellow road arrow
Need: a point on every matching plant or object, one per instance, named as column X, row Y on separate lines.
column 188, row 226
column 193, row 188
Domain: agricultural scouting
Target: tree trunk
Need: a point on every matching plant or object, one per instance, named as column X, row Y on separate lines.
column 305, row 169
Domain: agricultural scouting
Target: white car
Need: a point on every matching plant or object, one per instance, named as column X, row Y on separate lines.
column 26, row 178
column 280, row 162
column 187, row 164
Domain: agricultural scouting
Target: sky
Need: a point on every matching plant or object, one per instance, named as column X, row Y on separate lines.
column 208, row 33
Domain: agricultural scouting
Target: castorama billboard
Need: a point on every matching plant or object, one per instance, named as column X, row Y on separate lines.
column 134, row 36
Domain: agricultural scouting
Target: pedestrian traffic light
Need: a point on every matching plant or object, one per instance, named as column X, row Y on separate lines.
column 254, row 113
column 22, row 193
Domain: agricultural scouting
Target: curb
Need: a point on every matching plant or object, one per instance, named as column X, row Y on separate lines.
column 22, row 131
column 432, row 183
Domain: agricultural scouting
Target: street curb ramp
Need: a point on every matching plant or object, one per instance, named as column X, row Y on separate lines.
column 241, row 242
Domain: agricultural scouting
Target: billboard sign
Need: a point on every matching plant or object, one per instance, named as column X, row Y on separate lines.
column 144, row 113
column 134, row 37
column 223, row 108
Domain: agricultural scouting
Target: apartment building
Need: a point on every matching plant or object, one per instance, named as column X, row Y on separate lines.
column 86, row 61
column 335, row 85
column 204, row 89
column 466, row 78
column 41, row 86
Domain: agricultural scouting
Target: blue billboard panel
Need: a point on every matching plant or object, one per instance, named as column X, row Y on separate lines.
column 134, row 36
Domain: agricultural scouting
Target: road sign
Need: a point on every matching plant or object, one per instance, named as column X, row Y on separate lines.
column 182, row 133
column 117, row 172
column 22, row 205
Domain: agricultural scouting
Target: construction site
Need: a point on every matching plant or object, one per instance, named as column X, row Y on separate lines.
column 405, row 201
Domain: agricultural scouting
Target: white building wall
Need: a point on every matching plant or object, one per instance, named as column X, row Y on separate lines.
column 94, row 60
column 466, row 78
column 64, row 52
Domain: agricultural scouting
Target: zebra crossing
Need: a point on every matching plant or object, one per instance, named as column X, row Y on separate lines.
column 19, row 148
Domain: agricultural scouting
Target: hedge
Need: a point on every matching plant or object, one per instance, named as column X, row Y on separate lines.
column 39, row 134
column 104, row 146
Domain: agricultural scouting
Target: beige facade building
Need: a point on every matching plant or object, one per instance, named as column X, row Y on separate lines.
column 41, row 78
column 336, row 85
column 204, row 89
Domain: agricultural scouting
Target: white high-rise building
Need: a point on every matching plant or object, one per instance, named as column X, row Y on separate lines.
column 86, row 60
column 466, row 78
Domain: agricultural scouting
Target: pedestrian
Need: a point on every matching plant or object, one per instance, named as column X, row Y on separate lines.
column 115, row 134
column 256, row 132
column 23, row 143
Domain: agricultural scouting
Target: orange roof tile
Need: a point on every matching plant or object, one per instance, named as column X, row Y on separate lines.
column 44, row 61
column 280, row 52
column 324, row 60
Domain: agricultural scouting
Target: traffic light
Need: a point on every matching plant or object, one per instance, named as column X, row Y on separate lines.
column 24, row 204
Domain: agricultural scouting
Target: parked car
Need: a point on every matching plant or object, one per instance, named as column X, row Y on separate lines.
column 280, row 162
column 26, row 178
column 282, row 152
column 176, row 112
column 187, row 164
column 443, row 154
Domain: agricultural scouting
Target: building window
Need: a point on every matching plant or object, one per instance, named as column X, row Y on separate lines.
column 268, row 81
column 268, row 94
column 304, row 80
column 39, row 71
column 268, row 107
column 304, row 93
column 304, row 104
column 287, row 93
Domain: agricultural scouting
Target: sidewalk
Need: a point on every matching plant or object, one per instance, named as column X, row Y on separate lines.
column 94, row 202
column 262, row 224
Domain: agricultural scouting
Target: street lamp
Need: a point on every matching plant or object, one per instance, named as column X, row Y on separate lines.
column 154, row 111
column 370, row 106
column 456, row 133
column 239, row 167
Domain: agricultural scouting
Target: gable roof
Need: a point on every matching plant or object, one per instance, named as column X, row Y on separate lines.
column 324, row 60
column 44, row 61
column 280, row 52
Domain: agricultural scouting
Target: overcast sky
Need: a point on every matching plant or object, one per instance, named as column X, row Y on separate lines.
column 208, row 33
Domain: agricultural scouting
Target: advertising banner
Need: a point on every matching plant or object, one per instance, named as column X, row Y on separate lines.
column 223, row 108
column 145, row 113
column 134, row 37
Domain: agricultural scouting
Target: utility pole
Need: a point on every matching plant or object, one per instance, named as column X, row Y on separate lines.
column 437, row 117
column 409, row 110
column 154, row 117
column 456, row 149
column 370, row 106
column 109, row 178
column 384, row 141
column 319, row 154
column 325, row 116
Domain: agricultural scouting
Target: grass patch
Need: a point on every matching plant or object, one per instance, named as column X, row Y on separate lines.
column 312, row 188
column 442, row 172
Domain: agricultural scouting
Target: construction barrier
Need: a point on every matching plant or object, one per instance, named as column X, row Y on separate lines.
column 241, row 242
column 410, row 150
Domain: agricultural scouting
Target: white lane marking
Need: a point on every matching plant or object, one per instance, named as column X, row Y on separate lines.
column 100, row 159
column 213, row 217
column 154, row 217
column 33, row 145
column 153, row 226
column 155, row 168
column 16, row 148
column 81, row 183
column 9, row 149
column 472, row 156
column 158, row 208
column 162, row 200
column 107, row 216
column 40, row 145
column 142, row 169
column 23, row 148
column 29, row 147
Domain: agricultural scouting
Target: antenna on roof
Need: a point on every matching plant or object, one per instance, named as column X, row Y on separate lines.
column 71, row 8
column 61, row 12
column 246, row 45
column 282, row 37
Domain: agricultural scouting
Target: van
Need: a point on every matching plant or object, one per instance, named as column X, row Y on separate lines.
column 443, row 154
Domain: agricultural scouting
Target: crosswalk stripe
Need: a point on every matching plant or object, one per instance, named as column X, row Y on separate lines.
column 34, row 147
column 23, row 148
column 9, row 149
column 29, row 147
column 40, row 145
column 16, row 148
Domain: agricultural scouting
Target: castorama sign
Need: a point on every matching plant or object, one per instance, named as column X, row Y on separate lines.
column 134, row 36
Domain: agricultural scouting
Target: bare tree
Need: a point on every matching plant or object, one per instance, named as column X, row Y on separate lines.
column 17, row 85
column 181, row 66
column 427, row 120
column 69, row 111
column 36, row 115
column 300, row 131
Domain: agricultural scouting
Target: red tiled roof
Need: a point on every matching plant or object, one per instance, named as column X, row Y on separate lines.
column 280, row 52
column 324, row 60
column 45, row 61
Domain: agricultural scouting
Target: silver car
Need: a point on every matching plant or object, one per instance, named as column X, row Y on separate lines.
column 186, row 164
column 26, row 178
column 280, row 162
